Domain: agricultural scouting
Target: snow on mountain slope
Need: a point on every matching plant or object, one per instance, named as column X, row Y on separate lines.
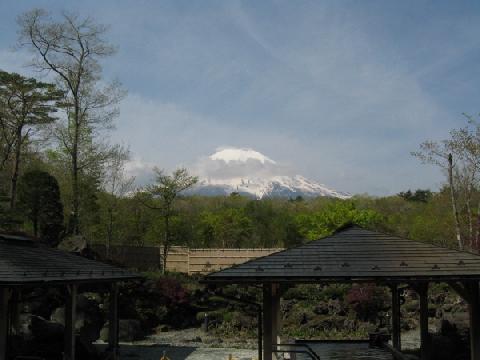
column 233, row 154
column 251, row 173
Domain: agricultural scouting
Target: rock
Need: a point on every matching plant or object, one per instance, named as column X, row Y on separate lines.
column 128, row 330
column 58, row 315
column 104, row 333
column 162, row 328
column 48, row 333
column 90, row 332
column 24, row 327
column 76, row 244
column 443, row 348
column 83, row 302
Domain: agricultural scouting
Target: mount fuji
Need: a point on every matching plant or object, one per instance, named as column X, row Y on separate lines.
column 249, row 172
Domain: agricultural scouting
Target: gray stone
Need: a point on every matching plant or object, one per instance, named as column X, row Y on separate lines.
column 58, row 315
column 76, row 243
column 130, row 330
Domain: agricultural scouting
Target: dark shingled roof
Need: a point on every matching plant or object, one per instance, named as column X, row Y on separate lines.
column 24, row 261
column 355, row 254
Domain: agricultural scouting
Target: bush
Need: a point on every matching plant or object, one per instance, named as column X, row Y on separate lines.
column 367, row 301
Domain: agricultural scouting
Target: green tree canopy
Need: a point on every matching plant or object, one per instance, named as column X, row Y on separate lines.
column 337, row 214
column 39, row 198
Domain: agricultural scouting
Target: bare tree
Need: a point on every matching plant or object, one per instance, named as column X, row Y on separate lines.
column 459, row 156
column 166, row 189
column 440, row 154
column 71, row 48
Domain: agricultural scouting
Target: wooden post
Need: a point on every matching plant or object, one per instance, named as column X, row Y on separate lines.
column 396, row 339
column 276, row 316
column 474, row 312
column 259, row 330
column 14, row 311
column 4, row 297
column 422, row 291
column 267, row 322
column 70, row 319
column 469, row 291
column 113, row 322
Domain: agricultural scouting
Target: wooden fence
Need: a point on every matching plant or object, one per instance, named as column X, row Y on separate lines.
column 182, row 259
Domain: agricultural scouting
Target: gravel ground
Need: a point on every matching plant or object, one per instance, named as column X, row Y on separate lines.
column 155, row 352
column 189, row 344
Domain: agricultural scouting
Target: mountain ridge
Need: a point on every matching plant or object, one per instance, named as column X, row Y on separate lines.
column 249, row 172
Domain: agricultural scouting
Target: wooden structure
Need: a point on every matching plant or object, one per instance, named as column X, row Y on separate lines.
column 25, row 263
column 181, row 258
column 356, row 255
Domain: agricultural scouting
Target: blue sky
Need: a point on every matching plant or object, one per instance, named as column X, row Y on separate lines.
column 341, row 91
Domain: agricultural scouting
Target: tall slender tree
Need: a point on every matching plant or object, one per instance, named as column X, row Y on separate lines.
column 27, row 106
column 71, row 48
column 116, row 184
column 166, row 190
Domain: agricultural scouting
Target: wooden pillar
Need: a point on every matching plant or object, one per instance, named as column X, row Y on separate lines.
column 422, row 291
column 276, row 316
column 70, row 319
column 113, row 322
column 474, row 312
column 469, row 291
column 4, row 298
column 15, row 310
column 267, row 321
column 396, row 341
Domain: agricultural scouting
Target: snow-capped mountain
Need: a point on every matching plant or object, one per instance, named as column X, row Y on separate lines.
column 251, row 173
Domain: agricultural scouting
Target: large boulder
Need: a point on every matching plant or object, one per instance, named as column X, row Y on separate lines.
column 48, row 333
column 75, row 244
column 128, row 330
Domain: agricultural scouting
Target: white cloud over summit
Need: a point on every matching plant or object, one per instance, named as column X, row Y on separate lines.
column 232, row 162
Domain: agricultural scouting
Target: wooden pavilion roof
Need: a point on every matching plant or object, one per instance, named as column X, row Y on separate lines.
column 24, row 261
column 355, row 254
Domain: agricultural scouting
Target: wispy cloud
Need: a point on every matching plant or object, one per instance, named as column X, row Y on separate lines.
column 340, row 92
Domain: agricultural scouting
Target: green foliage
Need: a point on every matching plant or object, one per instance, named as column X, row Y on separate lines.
column 39, row 199
column 418, row 195
column 340, row 213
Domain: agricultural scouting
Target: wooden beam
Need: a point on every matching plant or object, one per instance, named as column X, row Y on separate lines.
column 113, row 322
column 70, row 319
column 4, row 298
column 396, row 338
column 267, row 322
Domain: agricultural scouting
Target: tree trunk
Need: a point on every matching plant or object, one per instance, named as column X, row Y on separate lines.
column 166, row 242
column 454, row 202
column 109, row 233
column 16, row 168
column 468, row 202
column 75, row 169
column 35, row 226
column 477, row 232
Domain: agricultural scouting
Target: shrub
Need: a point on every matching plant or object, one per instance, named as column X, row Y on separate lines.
column 367, row 301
